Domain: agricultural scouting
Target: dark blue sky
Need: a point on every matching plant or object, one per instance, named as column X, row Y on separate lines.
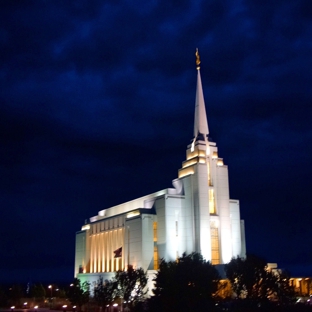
column 96, row 108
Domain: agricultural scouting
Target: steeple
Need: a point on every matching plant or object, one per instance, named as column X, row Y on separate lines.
column 200, row 120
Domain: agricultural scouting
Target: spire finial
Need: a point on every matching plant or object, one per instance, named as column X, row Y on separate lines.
column 197, row 59
column 200, row 121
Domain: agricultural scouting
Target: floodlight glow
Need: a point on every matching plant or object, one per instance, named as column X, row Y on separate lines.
column 133, row 214
column 85, row 227
column 220, row 162
column 208, row 151
column 214, row 155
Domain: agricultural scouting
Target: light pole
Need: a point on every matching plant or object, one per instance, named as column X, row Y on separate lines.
column 50, row 286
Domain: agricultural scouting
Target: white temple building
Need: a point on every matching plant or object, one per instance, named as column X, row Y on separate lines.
column 197, row 214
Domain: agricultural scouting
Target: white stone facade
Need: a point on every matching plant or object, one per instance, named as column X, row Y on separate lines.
column 197, row 214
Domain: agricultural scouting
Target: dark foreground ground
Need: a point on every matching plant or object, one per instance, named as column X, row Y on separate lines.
column 290, row 308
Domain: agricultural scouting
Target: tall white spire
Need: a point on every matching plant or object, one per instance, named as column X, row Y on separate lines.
column 200, row 120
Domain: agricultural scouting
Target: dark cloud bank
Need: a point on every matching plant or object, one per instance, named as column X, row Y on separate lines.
column 96, row 108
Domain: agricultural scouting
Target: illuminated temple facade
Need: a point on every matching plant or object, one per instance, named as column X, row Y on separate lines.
column 196, row 214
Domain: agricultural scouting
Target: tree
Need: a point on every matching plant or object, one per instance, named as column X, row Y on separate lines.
column 247, row 276
column 251, row 279
column 188, row 284
column 131, row 284
column 16, row 294
column 38, row 292
column 283, row 292
column 79, row 293
column 3, row 297
column 104, row 292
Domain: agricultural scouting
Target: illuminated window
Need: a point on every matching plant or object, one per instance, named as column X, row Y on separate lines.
column 208, row 172
column 155, row 231
column 214, row 155
column 215, row 253
column 155, row 257
column 212, row 202
column 155, row 246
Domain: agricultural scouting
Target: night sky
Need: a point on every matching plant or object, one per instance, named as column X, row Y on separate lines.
column 97, row 107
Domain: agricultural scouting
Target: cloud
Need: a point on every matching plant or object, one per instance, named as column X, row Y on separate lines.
column 96, row 108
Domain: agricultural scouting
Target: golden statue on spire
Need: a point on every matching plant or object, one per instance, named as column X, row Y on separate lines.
column 197, row 59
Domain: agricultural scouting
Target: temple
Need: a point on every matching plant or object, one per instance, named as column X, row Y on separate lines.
column 195, row 215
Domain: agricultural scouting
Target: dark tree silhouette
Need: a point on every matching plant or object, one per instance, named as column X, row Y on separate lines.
column 188, row 284
column 79, row 293
column 3, row 296
column 131, row 285
column 37, row 292
column 252, row 280
column 282, row 291
column 16, row 293
column 104, row 292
